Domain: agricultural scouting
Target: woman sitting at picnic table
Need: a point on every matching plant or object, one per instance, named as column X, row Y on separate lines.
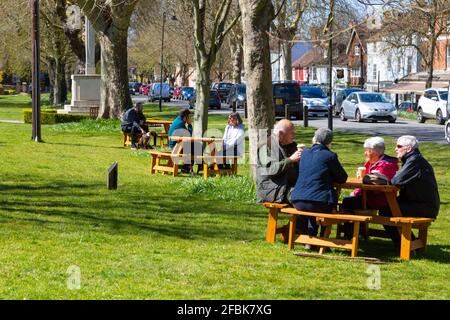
column 233, row 137
column 376, row 163
column 318, row 171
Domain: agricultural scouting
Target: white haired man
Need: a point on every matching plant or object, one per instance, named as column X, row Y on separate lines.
column 419, row 194
column 277, row 165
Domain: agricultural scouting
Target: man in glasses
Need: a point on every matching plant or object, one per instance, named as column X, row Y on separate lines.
column 419, row 195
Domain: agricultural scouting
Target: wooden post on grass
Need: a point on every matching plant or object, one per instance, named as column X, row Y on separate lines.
column 112, row 176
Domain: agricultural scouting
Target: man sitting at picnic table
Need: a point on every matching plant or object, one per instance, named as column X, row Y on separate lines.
column 419, row 194
column 277, row 165
column 133, row 122
column 378, row 164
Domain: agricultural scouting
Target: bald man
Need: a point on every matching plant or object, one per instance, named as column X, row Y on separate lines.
column 277, row 165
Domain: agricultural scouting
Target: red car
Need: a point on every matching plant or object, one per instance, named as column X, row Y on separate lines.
column 177, row 93
column 145, row 88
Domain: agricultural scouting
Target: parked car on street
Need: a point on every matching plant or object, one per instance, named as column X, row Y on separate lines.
column 237, row 96
column 368, row 106
column 214, row 100
column 407, row 106
column 433, row 104
column 154, row 92
column 187, row 93
column 134, row 87
column 317, row 101
column 224, row 90
column 287, row 92
column 145, row 88
column 341, row 96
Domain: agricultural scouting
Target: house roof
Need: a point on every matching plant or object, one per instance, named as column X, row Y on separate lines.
column 360, row 33
column 415, row 82
column 308, row 58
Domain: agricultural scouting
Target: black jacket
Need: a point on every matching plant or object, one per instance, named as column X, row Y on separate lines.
column 319, row 170
column 132, row 118
column 275, row 173
column 418, row 184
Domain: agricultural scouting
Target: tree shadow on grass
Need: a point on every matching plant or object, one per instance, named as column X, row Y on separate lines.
column 89, row 145
column 172, row 216
column 384, row 250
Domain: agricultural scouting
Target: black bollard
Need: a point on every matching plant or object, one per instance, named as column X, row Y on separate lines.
column 330, row 118
column 305, row 116
column 111, row 182
column 245, row 110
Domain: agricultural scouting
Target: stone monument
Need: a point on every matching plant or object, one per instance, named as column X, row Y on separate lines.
column 85, row 87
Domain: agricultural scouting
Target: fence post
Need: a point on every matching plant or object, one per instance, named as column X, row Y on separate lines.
column 286, row 111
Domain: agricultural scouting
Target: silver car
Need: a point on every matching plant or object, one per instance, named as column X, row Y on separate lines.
column 368, row 106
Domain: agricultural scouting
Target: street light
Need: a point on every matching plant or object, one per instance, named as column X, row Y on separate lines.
column 173, row 18
column 36, row 90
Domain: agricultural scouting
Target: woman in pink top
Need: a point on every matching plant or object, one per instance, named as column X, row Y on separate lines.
column 376, row 161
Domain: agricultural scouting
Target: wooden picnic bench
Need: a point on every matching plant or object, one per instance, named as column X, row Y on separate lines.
column 169, row 162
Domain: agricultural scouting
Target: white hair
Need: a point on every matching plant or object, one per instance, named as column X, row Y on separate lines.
column 375, row 143
column 410, row 141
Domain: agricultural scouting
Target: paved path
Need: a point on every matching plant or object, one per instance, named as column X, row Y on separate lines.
column 12, row 121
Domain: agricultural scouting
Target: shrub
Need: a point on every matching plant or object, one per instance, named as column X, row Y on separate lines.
column 50, row 116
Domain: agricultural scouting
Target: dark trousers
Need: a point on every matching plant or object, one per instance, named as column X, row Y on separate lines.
column 134, row 132
column 307, row 225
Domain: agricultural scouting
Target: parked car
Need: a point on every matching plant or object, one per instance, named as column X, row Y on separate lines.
column 368, row 105
column 287, row 92
column 341, row 96
column 433, row 104
column 134, row 87
column 214, row 100
column 177, row 93
column 154, row 92
column 187, row 93
column 144, row 89
column 407, row 106
column 317, row 101
column 237, row 96
column 224, row 90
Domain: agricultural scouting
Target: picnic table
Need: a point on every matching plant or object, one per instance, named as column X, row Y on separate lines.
column 357, row 218
column 206, row 155
column 164, row 137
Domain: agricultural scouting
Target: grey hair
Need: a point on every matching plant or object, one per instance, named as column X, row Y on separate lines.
column 323, row 136
column 410, row 141
column 375, row 143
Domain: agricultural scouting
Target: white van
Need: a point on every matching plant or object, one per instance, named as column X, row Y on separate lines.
column 153, row 94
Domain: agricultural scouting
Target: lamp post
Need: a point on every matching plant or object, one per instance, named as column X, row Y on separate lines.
column 173, row 18
column 36, row 90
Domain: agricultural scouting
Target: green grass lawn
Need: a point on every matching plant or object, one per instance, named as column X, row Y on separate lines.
column 159, row 237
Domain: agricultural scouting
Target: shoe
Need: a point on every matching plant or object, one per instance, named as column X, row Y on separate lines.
column 134, row 146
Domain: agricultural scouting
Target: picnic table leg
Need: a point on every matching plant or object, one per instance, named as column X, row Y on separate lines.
column 271, row 231
column 355, row 238
column 292, row 224
column 234, row 167
column 152, row 164
column 405, row 244
column 423, row 232
column 205, row 170
column 326, row 234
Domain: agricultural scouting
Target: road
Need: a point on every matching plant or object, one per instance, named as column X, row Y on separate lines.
column 428, row 131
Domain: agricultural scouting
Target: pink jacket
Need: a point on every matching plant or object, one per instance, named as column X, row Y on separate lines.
column 386, row 165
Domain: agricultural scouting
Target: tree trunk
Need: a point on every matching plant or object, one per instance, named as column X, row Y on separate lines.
column 430, row 69
column 237, row 56
column 115, row 97
column 202, row 98
column 286, row 61
column 57, row 75
column 256, row 18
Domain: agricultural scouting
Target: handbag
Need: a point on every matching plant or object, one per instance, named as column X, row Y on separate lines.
column 376, row 179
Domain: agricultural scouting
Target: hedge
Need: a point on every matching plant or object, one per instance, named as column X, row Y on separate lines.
column 50, row 116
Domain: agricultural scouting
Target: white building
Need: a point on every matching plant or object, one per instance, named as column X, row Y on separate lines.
column 386, row 65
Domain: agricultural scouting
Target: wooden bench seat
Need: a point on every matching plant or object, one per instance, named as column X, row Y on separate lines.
column 327, row 220
column 272, row 222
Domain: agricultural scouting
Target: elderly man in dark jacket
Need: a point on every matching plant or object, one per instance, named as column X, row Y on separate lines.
column 277, row 165
column 133, row 122
column 419, row 194
column 319, row 170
